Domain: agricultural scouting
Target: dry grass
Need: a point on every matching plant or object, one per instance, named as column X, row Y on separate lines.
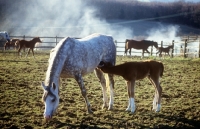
column 21, row 93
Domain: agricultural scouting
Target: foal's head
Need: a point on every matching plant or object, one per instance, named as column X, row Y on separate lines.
column 37, row 39
column 51, row 100
column 155, row 44
column 104, row 65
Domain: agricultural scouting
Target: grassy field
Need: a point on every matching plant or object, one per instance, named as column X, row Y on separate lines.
column 21, row 92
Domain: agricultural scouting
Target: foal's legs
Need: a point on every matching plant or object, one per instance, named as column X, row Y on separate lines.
column 19, row 53
column 28, row 52
column 159, row 53
column 168, row 53
column 111, row 80
column 158, row 91
column 32, row 52
column 79, row 80
column 131, row 94
column 103, row 82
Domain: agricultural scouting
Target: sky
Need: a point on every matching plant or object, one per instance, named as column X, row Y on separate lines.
column 170, row 0
column 71, row 18
column 76, row 19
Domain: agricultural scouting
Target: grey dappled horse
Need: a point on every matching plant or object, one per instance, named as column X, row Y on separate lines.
column 73, row 58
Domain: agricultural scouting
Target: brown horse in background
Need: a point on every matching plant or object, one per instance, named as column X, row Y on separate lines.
column 143, row 44
column 11, row 43
column 28, row 44
column 165, row 50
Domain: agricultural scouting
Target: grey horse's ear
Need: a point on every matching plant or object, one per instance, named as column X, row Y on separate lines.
column 54, row 85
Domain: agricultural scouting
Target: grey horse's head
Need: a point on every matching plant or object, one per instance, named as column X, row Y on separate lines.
column 51, row 100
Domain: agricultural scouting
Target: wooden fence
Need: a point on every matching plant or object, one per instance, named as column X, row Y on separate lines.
column 189, row 46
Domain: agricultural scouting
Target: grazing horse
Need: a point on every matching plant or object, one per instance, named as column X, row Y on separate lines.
column 12, row 43
column 132, row 71
column 73, row 58
column 143, row 44
column 28, row 44
column 165, row 50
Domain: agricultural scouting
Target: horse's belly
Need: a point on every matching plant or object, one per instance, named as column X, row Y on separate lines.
column 142, row 73
column 142, row 76
column 71, row 72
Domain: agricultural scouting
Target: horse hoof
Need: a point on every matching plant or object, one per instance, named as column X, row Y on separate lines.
column 132, row 112
column 104, row 106
column 128, row 110
column 157, row 110
column 110, row 107
column 90, row 111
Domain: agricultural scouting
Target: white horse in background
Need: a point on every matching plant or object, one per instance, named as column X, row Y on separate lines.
column 73, row 58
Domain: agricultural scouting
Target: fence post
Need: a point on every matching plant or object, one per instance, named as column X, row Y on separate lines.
column 116, row 46
column 199, row 47
column 151, row 50
column 161, row 45
column 24, row 37
column 172, row 49
column 184, row 50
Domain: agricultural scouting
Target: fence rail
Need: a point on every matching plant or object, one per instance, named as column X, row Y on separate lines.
column 189, row 46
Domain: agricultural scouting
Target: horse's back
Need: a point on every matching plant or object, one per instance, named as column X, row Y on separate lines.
column 21, row 42
column 26, row 43
column 83, row 55
column 130, row 43
column 137, row 44
column 97, row 45
column 165, row 49
column 156, row 67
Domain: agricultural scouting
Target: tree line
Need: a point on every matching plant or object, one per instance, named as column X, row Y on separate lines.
column 179, row 12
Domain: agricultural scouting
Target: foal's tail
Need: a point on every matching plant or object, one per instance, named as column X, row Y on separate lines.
column 126, row 46
column 161, row 69
column 109, row 79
